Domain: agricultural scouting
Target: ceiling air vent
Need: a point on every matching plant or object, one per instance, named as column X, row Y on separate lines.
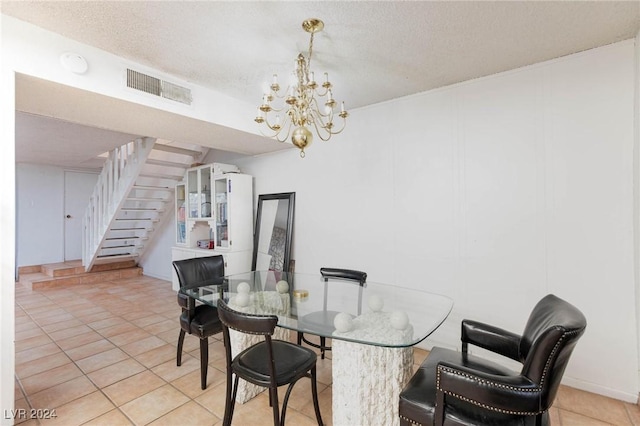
column 155, row 86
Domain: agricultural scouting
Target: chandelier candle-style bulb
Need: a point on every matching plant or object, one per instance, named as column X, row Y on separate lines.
column 274, row 85
column 302, row 102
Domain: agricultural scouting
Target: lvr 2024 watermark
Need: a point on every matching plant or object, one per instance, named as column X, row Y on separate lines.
column 26, row 414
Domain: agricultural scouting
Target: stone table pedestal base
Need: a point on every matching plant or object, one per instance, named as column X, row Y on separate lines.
column 367, row 381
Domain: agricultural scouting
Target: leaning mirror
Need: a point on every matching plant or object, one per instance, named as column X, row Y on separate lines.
column 273, row 232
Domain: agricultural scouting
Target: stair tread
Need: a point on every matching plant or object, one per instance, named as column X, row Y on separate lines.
column 133, row 237
column 84, row 278
column 33, row 276
column 139, row 208
column 116, row 256
column 161, row 176
column 177, row 150
column 67, row 269
column 150, row 187
column 153, row 187
column 167, row 163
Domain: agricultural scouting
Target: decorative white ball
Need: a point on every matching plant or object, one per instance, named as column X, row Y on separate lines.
column 376, row 303
column 282, row 286
column 343, row 322
column 243, row 287
column 399, row 320
column 242, row 299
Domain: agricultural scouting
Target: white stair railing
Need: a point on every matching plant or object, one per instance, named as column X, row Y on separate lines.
column 118, row 175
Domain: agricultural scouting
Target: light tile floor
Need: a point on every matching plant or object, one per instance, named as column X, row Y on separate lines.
column 104, row 354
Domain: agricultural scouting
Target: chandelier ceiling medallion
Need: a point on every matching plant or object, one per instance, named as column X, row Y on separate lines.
column 302, row 108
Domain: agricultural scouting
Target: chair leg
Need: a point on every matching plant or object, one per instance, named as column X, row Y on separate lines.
column 204, row 362
column 439, row 414
column 323, row 344
column 314, row 393
column 299, row 338
column 180, row 342
column 285, row 402
column 230, row 399
column 273, row 396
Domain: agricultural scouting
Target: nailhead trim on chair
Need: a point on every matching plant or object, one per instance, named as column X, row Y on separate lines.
column 249, row 332
column 257, row 333
column 488, row 382
column 413, row 422
column 500, row 410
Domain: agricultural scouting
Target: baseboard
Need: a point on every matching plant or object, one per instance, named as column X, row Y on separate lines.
column 600, row 390
column 160, row 277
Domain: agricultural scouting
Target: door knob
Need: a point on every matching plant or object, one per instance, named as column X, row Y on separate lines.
column 68, row 216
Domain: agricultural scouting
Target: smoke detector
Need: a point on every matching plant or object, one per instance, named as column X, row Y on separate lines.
column 74, row 62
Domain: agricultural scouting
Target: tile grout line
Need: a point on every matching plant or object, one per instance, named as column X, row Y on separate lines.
column 85, row 374
column 71, row 361
column 129, row 356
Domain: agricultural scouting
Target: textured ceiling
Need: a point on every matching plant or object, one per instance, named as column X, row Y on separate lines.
column 373, row 51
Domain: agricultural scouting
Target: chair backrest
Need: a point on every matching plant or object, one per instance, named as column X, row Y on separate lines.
column 344, row 274
column 246, row 323
column 549, row 337
column 194, row 272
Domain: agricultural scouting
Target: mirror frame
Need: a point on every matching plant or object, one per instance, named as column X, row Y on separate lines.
column 291, row 197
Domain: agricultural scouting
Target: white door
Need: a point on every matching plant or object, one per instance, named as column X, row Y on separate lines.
column 78, row 187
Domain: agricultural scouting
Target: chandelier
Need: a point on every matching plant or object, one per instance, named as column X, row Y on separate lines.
column 306, row 104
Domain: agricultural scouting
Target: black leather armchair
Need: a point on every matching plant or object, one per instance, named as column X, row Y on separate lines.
column 199, row 320
column 457, row 388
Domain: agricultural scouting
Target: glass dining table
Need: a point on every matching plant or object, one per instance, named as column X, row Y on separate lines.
column 373, row 328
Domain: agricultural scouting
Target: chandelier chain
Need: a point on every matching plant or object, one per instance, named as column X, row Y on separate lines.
column 310, row 52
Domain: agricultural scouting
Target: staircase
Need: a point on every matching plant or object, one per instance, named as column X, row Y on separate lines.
column 132, row 195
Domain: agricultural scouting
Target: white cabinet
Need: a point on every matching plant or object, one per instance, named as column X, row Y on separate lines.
column 181, row 217
column 233, row 212
column 198, row 184
column 218, row 207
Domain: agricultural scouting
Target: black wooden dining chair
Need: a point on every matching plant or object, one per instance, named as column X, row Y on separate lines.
column 199, row 320
column 325, row 317
column 457, row 388
column 270, row 363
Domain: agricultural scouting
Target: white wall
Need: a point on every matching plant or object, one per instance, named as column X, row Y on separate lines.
column 636, row 180
column 156, row 261
column 7, row 232
column 494, row 192
column 39, row 214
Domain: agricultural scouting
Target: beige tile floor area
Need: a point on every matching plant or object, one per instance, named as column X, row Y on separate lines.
column 104, row 354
